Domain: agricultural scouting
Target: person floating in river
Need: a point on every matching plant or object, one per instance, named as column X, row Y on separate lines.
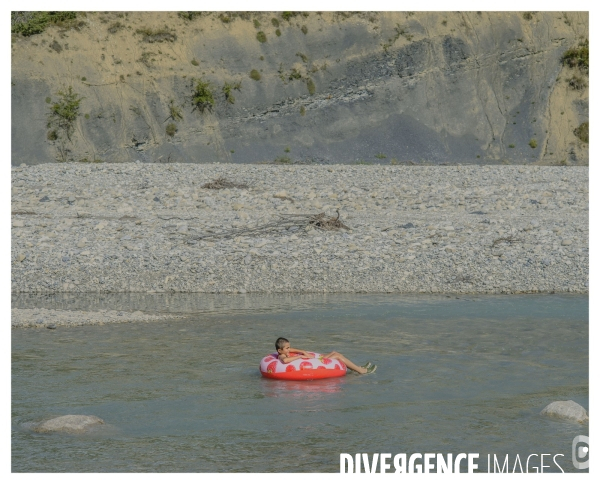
column 284, row 352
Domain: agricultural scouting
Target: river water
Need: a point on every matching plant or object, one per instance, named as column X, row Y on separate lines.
column 455, row 374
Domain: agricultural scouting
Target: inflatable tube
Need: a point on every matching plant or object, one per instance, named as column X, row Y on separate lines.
column 314, row 368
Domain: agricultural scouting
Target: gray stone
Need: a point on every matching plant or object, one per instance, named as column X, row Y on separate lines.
column 567, row 409
column 51, row 326
column 44, row 199
column 69, row 424
column 247, row 259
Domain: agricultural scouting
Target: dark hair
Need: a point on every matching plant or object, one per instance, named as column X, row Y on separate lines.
column 280, row 343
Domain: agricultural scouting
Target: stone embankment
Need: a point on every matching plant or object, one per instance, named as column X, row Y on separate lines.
column 445, row 229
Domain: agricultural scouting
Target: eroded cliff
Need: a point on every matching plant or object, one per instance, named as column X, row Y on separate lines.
column 401, row 87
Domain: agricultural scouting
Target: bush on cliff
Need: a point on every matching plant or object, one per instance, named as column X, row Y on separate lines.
column 31, row 23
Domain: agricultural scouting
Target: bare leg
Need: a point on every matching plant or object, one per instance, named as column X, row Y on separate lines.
column 349, row 364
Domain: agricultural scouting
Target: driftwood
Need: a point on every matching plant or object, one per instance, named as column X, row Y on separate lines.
column 511, row 239
column 284, row 222
column 221, row 182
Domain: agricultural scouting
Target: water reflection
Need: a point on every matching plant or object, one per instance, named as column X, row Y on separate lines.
column 311, row 391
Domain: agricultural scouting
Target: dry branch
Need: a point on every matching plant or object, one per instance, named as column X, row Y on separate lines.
column 511, row 239
column 284, row 222
column 221, row 182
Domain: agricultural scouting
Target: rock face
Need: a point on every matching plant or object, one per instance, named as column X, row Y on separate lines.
column 371, row 87
column 568, row 409
column 69, row 423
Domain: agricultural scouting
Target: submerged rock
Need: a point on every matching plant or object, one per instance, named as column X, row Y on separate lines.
column 69, row 423
column 568, row 409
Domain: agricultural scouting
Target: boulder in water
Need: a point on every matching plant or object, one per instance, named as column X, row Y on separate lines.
column 568, row 410
column 69, row 423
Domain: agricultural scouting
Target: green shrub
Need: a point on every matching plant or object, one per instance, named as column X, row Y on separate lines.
column 64, row 112
column 52, row 135
column 87, row 116
column 511, row 145
column 287, row 149
column 48, row 100
column 381, row 156
column 225, row 18
column 189, row 15
column 304, row 30
column 115, row 27
column 302, row 56
column 156, row 35
column 254, row 74
column 288, row 15
column 302, row 110
column 533, row 143
column 202, row 96
column 578, row 56
column 577, row 83
column 275, row 22
column 31, row 23
column 583, row 132
column 194, row 62
column 278, row 33
column 527, row 15
column 174, row 111
column 294, row 74
column 311, row 86
column 256, row 24
column 282, row 159
column 228, row 87
column 171, row 129
column 261, row 37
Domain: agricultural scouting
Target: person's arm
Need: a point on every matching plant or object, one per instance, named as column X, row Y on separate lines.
column 289, row 359
column 305, row 353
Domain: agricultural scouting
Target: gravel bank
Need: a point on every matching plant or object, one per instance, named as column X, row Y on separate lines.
column 51, row 318
column 442, row 229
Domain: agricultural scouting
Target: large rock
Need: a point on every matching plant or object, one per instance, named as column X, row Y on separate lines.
column 69, row 423
column 568, row 409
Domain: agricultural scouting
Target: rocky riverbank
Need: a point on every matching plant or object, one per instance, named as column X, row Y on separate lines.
column 51, row 318
column 434, row 229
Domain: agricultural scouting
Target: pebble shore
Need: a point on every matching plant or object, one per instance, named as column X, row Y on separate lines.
column 414, row 229
column 51, row 318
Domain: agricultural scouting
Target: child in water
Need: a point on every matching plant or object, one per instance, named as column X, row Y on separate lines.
column 283, row 349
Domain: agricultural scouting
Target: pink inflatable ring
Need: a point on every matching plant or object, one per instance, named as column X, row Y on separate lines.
column 314, row 368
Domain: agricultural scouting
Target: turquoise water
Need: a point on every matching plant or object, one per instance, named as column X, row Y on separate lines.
column 467, row 374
